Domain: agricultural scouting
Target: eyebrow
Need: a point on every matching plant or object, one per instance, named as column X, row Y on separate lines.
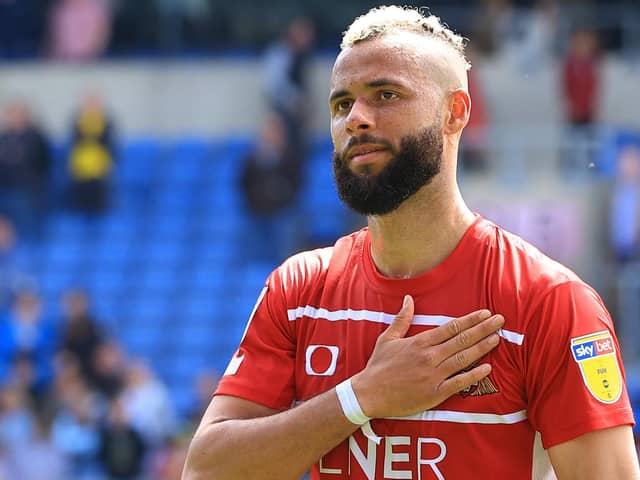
column 381, row 82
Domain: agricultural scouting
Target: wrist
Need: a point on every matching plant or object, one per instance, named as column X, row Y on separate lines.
column 350, row 404
column 359, row 390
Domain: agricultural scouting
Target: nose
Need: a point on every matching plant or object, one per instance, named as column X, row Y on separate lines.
column 360, row 118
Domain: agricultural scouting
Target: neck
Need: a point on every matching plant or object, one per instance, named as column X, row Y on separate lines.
column 421, row 233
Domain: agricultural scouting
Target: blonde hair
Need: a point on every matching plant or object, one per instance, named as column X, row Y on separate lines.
column 383, row 20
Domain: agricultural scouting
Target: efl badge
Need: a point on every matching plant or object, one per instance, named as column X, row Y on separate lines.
column 596, row 357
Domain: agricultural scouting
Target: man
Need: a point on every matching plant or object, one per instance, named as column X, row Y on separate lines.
column 91, row 160
column 25, row 164
column 447, row 398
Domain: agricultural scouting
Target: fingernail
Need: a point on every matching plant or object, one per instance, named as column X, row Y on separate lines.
column 405, row 302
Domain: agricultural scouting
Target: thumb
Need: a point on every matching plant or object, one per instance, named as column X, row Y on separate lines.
column 401, row 323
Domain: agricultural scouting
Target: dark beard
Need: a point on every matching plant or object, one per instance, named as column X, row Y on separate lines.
column 413, row 166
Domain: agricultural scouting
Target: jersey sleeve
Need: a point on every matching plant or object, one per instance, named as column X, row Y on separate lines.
column 262, row 369
column 575, row 379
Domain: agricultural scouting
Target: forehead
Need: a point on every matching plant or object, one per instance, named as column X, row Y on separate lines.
column 405, row 57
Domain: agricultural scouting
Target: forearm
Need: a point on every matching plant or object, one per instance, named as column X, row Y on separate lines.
column 280, row 446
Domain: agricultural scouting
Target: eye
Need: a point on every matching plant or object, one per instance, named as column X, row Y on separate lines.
column 388, row 95
column 343, row 105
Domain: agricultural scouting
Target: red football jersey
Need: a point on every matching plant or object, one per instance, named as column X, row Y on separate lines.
column 557, row 372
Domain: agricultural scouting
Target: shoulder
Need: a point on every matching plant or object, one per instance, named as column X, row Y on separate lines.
column 520, row 275
column 523, row 261
column 310, row 268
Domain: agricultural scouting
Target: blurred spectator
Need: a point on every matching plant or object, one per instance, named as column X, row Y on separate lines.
column 474, row 140
column 271, row 180
column 168, row 462
column 79, row 29
column 81, row 337
column 122, row 448
column 495, row 26
column 92, row 156
column 145, row 399
column 581, row 88
column 205, row 384
column 285, row 78
column 110, row 368
column 39, row 459
column 12, row 275
column 625, row 206
column 8, row 269
column 25, row 374
column 581, row 79
column 535, row 48
column 27, row 330
column 76, row 426
column 272, row 172
column 16, row 416
column 25, row 164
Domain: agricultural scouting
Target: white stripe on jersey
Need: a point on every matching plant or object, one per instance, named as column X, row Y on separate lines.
column 467, row 417
column 512, row 337
column 386, row 318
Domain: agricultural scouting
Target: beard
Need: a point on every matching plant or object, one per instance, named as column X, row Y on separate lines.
column 413, row 165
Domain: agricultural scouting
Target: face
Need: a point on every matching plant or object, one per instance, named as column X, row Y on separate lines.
column 410, row 168
column 385, row 123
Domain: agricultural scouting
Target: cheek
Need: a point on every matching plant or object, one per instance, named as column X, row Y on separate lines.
column 338, row 136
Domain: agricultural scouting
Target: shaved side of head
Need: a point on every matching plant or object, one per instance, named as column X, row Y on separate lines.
column 441, row 48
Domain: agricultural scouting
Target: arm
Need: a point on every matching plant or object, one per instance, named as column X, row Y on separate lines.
column 238, row 439
column 241, row 439
column 577, row 396
column 607, row 453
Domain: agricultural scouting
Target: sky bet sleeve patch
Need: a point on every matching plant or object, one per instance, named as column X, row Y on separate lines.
column 596, row 357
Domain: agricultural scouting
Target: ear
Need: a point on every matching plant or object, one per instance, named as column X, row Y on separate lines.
column 458, row 108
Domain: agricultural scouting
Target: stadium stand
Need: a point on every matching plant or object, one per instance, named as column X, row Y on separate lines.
column 165, row 267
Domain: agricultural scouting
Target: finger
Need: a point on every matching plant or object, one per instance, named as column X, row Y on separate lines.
column 454, row 327
column 400, row 324
column 464, row 358
column 471, row 336
column 459, row 382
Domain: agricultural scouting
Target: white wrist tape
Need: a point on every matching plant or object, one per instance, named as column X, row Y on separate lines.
column 349, row 403
column 353, row 411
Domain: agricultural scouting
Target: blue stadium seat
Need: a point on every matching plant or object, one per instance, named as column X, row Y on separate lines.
column 137, row 161
column 116, row 252
column 200, row 309
column 165, row 253
column 66, row 227
column 206, row 280
column 187, row 160
column 53, row 282
column 118, row 227
column 65, row 254
column 105, row 279
column 149, row 310
column 109, row 311
column 235, row 146
column 176, row 201
column 145, row 341
column 322, row 145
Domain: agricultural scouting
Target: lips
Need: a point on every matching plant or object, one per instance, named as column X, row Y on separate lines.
column 362, row 150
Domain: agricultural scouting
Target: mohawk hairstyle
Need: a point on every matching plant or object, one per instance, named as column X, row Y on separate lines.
column 389, row 19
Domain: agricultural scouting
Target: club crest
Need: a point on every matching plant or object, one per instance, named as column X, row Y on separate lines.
column 483, row 387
